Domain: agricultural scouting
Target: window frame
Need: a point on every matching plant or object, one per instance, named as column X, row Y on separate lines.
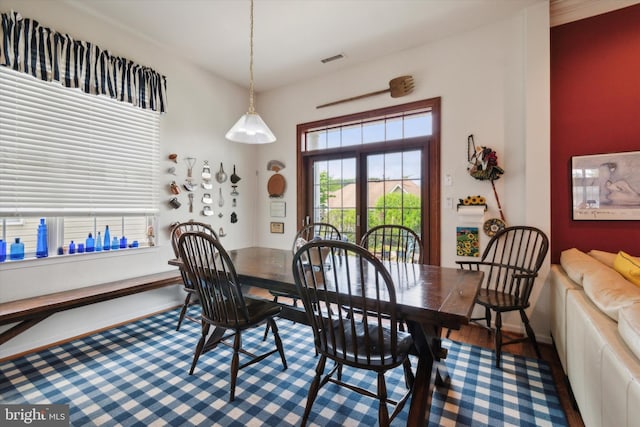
column 430, row 174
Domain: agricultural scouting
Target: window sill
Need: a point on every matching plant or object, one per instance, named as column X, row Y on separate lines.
column 77, row 257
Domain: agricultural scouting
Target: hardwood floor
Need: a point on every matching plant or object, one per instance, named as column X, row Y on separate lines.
column 476, row 335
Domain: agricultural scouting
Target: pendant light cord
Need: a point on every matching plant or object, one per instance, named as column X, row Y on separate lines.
column 251, row 107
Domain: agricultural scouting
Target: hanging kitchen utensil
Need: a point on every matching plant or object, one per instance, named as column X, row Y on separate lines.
column 191, row 161
column 220, row 175
column 207, row 211
column 206, row 170
column 234, row 218
column 234, row 191
column 189, row 186
column 220, row 199
column 400, row 86
column 207, row 199
column 206, row 184
column 276, row 185
column 173, row 157
column 234, row 178
column 173, row 187
column 190, row 202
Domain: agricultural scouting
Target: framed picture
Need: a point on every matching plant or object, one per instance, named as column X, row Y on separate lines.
column 277, row 227
column 606, row 186
column 467, row 241
column 278, row 209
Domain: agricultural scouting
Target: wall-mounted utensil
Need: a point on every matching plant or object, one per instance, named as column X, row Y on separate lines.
column 206, row 170
column 400, row 86
column 191, row 161
column 173, row 187
column 190, row 202
column 220, row 199
column 234, row 191
column 174, row 203
column 234, row 217
column 189, row 186
column 234, row 178
column 207, row 199
column 221, row 176
column 206, row 184
column 207, row 211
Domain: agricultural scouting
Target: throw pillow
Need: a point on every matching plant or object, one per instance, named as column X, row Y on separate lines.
column 628, row 266
column 607, row 258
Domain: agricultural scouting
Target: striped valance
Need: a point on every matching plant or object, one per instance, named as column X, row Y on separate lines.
column 28, row 47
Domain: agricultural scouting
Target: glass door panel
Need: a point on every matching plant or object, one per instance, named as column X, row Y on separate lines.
column 335, row 194
column 394, row 189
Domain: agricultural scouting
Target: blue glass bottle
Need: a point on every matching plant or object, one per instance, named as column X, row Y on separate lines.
column 17, row 250
column 42, row 249
column 72, row 247
column 99, row 243
column 107, row 239
column 90, row 243
column 3, row 250
column 115, row 244
column 123, row 242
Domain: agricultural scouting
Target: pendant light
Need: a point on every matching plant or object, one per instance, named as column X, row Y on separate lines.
column 251, row 129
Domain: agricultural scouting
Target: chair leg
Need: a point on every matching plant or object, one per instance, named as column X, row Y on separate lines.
column 235, row 364
column 313, row 389
column 487, row 316
column 266, row 329
column 199, row 346
column 383, row 411
column 183, row 312
column 498, row 338
column 409, row 378
column 276, row 336
column 530, row 333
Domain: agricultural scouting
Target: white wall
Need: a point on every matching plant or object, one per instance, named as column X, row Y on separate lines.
column 201, row 108
column 494, row 83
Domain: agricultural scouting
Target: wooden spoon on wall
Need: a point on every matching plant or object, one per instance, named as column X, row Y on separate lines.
column 400, row 86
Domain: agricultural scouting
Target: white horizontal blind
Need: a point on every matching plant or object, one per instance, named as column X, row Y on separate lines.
column 64, row 152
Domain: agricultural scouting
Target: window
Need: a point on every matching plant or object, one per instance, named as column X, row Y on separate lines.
column 371, row 168
column 81, row 161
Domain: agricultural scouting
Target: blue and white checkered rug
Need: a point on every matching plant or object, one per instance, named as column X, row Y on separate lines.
column 137, row 375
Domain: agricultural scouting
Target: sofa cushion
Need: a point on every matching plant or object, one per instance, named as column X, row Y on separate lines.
column 575, row 263
column 609, row 291
column 628, row 266
column 629, row 327
column 607, row 258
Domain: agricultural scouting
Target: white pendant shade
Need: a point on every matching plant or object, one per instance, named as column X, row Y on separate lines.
column 250, row 129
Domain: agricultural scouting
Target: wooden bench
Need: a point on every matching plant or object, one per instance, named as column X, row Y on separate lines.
column 28, row 312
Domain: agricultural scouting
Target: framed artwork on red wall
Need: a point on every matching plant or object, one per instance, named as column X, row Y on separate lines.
column 606, row 186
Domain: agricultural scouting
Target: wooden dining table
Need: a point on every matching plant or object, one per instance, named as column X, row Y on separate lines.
column 429, row 298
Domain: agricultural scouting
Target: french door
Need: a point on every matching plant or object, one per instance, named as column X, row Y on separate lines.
column 380, row 167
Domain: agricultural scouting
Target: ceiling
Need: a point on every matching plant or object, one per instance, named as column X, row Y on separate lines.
column 292, row 36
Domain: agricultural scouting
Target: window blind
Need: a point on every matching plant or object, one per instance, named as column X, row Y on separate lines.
column 64, row 152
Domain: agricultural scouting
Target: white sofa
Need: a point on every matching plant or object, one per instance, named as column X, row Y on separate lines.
column 595, row 325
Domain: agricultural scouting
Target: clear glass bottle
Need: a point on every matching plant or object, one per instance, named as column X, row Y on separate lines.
column 17, row 250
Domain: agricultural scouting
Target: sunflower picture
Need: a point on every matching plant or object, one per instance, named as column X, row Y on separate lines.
column 467, row 241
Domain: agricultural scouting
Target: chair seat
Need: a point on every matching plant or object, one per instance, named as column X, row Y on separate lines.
column 377, row 356
column 259, row 311
column 499, row 301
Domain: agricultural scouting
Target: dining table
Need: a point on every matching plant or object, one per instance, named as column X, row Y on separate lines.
column 428, row 298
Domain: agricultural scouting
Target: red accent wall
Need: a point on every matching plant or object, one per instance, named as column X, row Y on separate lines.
column 595, row 108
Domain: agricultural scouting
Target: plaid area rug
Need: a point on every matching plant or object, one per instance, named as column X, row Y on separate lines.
column 137, row 375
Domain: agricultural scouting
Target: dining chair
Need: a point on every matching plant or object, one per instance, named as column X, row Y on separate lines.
column 510, row 262
column 309, row 232
column 224, row 306
column 351, row 277
column 188, row 287
column 393, row 242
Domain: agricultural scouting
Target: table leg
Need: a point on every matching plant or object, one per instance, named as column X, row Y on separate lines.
column 430, row 355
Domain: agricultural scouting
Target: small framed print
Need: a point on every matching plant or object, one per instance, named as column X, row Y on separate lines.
column 278, row 209
column 277, row 227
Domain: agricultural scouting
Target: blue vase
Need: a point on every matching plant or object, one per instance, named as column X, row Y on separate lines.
column 42, row 249
column 17, row 250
